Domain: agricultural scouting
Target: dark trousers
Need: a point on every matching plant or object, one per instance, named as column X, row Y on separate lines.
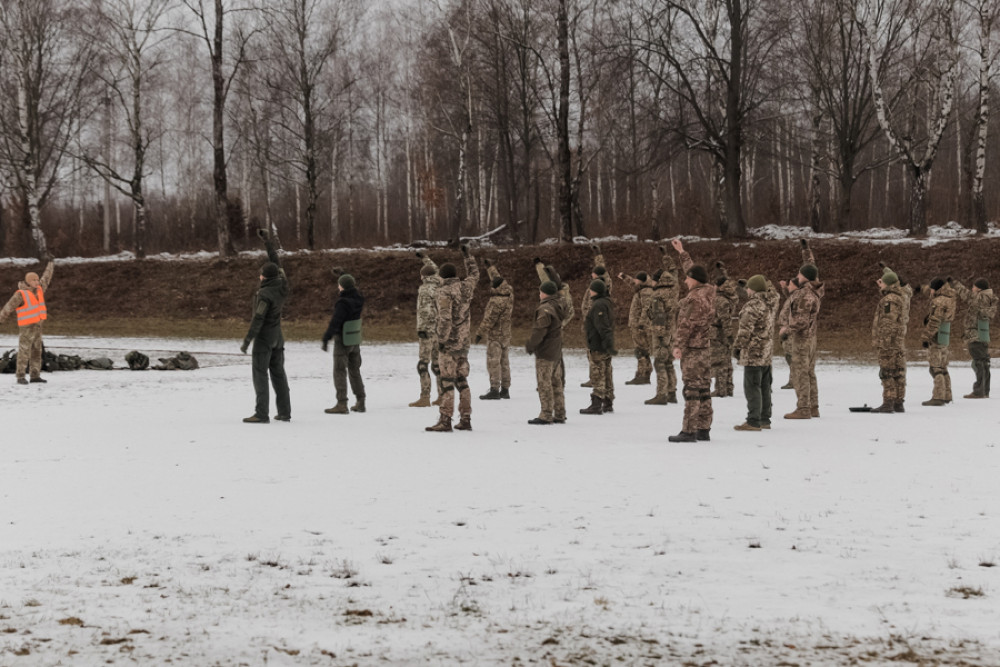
column 981, row 364
column 347, row 364
column 270, row 360
column 757, row 388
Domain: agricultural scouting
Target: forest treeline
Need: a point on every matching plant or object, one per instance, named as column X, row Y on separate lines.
column 166, row 125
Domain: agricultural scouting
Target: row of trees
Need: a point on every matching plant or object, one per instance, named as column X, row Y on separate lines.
column 182, row 124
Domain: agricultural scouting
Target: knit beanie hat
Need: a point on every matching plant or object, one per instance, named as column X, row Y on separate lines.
column 598, row 287
column 447, row 271
column 937, row 284
column 269, row 270
column 982, row 283
column 346, row 281
column 548, row 287
column 699, row 273
column 757, row 283
column 599, row 270
column 497, row 282
column 427, row 270
column 809, row 271
column 889, row 277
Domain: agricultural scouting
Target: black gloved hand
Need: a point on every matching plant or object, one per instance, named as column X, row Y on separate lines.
column 804, row 242
column 478, row 339
column 881, row 265
column 596, row 249
column 465, row 249
column 419, row 254
column 263, row 234
column 662, row 249
column 325, row 345
column 488, row 263
column 736, row 354
column 537, row 260
column 422, row 335
column 440, row 347
column 244, row 346
column 926, row 344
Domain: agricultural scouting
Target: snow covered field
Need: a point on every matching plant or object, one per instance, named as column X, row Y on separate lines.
column 141, row 522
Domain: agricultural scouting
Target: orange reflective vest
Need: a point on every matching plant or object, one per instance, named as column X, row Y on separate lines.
column 33, row 310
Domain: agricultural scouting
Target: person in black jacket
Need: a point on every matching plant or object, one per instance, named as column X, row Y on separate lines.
column 268, row 341
column 345, row 330
column 599, row 327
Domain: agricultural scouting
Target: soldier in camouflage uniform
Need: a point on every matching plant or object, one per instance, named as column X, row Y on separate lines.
column 888, row 331
column 787, row 287
column 695, row 314
column 454, row 322
column 29, row 303
column 545, row 343
column 427, row 332
column 661, row 312
column 803, row 313
column 547, row 272
column 598, row 272
column 599, row 327
column 753, row 347
column 495, row 328
column 724, row 331
column 936, row 338
column 638, row 325
column 982, row 308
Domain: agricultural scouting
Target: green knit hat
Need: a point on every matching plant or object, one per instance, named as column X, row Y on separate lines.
column 548, row 287
column 889, row 277
column 809, row 271
column 757, row 283
column 599, row 288
column 346, row 281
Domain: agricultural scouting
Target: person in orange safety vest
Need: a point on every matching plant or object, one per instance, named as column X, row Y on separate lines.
column 29, row 304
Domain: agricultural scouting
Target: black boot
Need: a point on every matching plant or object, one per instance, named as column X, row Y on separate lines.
column 491, row 395
column 609, row 405
column 898, row 406
column 702, row 435
column 885, row 408
column 505, row 393
column 596, row 406
column 683, row 436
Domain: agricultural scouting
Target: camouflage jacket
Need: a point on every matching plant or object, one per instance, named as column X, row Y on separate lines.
column 942, row 312
column 889, row 325
column 545, row 341
column 803, row 309
column 568, row 310
column 726, row 313
column 586, row 302
column 982, row 307
column 755, row 334
column 695, row 314
column 427, row 301
column 16, row 301
column 454, row 298
column 499, row 310
column 661, row 309
column 640, row 304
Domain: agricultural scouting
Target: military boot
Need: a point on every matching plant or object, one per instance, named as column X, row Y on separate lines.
column 659, row 399
column 491, row 395
column 898, row 406
column 799, row 413
column 885, row 408
column 540, row 421
column 464, row 424
column 359, row 405
column 683, row 436
column 672, row 397
column 283, row 418
column 638, row 379
column 935, row 403
column 37, row 379
column 973, row 395
column 608, row 405
column 596, row 406
column 505, row 392
column 587, row 384
column 22, row 380
column 339, row 409
column 443, row 425
column 254, row 419
column 437, row 401
column 746, row 426
column 423, row 402
column 814, row 413
column 787, row 385
column 702, row 434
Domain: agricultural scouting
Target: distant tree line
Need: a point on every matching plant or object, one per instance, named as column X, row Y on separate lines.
column 170, row 125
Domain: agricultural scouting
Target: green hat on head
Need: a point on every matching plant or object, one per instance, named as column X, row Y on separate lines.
column 757, row 283
column 809, row 271
column 269, row 270
column 889, row 277
column 549, row 287
column 346, row 281
column 599, row 288
column 699, row 273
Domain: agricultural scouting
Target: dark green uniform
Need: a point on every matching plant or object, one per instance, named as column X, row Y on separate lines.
column 269, row 342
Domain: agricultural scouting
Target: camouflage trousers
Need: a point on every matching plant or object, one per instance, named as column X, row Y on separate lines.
column 429, row 362
column 601, row 376
column 549, row 376
column 455, row 377
column 892, row 372
column 803, row 350
column 722, row 366
column 937, row 359
column 29, row 350
column 641, row 341
column 498, row 364
column 980, row 353
column 663, row 363
column 696, row 374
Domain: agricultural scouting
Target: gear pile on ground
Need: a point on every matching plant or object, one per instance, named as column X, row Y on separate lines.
column 135, row 360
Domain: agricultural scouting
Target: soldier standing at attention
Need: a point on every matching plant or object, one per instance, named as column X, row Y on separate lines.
column 267, row 338
column 638, row 325
column 724, row 327
column 695, row 314
column 454, row 322
column 888, row 330
column 29, row 303
column 546, row 344
column 427, row 332
column 936, row 338
column 599, row 328
column 495, row 328
column 803, row 313
column 753, row 347
column 345, row 331
column 982, row 308
column 662, row 315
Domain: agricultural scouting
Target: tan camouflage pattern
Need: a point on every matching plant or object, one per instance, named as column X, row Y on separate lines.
column 695, row 314
column 551, row 395
column 803, row 351
column 498, row 364
column 755, row 330
column 803, row 309
column 455, row 377
column 663, row 363
column 454, row 322
column 982, row 306
column 601, row 375
column 888, row 331
column 942, row 310
column 563, row 293
column 639, row 328
column 427, row 363
column 723, row 334
column 427, row 301
column 696, row 374
column 606, row 279
column 495, row 330
column 661, row 312
column 29, row 342
column 937, row 360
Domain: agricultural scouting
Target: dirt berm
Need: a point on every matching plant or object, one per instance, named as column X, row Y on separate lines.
column 211, row 298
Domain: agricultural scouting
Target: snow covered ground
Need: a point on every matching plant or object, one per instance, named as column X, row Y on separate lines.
column 142, row 522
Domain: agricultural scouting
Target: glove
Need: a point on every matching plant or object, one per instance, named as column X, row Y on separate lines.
column 881, row 265
column 478, row 339
column 916, row 290
column 244, row 346
column 488, row 263
column 736, row 354
column 926, row 344
column 440, row 347
column 422, row 335
column 596, row 249
column 742, row 282
column 537, row 260
column 420, row 255
column 804, row 242
column 719, row 265
column 663, row 249
column 325, row 345
column 263, row 234
column 465, row 250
